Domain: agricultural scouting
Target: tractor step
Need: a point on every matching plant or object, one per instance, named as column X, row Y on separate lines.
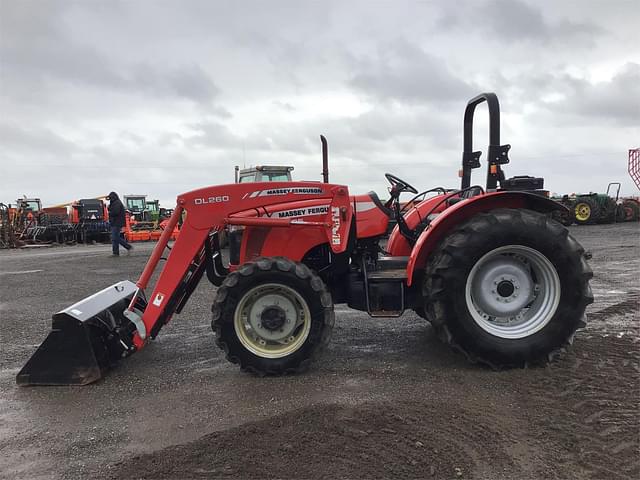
column 387, row 263
column 387, row 281
column 389, row 275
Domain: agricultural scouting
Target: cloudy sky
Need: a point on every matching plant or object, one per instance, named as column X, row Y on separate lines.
column 161, row 97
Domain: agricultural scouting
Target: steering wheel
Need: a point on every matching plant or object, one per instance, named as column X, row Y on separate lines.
column 401, row 185
column 422, row 195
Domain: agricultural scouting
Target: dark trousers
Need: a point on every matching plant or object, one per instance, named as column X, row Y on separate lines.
column 117, row 240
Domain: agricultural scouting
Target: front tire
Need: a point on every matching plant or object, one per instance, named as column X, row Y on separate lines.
column 508, row 288
column 272, row 316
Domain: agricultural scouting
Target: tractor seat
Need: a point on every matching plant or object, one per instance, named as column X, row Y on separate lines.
column 378, row 203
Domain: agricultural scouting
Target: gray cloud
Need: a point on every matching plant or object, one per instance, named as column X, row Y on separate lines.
column 16, row 140
column 404, row 72
column 617, row 100
column 190, row 82
column 39, row 47
column 513, row 20
column 516, row 21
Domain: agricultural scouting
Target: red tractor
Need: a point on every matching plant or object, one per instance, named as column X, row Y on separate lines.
column 496, row 276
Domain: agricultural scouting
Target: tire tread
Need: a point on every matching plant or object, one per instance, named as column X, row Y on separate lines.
column 235, row 281
column 446, row 262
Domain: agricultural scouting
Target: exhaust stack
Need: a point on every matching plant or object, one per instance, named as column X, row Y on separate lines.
column 325, row 159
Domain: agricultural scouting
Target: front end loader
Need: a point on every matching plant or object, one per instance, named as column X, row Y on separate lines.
column 496, row 276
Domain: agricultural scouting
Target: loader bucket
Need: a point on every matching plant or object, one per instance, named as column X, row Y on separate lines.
column 86, row 339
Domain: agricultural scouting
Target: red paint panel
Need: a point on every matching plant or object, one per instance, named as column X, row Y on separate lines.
column 293, row 243
column 252, row 243
column 398, row 245
column 207, row 209
column 371, row 221
column 461, row 211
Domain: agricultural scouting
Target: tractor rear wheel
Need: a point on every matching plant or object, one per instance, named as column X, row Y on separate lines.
column 631, row 210
column 586, row 211
column 272, row 316
column 508, row 288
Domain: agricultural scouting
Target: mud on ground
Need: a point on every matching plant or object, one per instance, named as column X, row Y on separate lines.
column 386, row 400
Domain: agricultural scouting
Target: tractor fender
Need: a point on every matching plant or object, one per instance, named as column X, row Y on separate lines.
column 464, row 209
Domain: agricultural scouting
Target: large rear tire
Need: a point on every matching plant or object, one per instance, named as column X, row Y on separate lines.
column 508, row 288
column 272, row 316
column 586, row 211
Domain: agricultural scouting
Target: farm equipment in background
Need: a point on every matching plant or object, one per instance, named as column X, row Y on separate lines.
column 92, row 220
column 279, row 173
column 27, row 210
column 497, row 278
column 143, row 210
column 7, row 232
column 263, row 173
column 604, row 207
column 153, row 211
column 631, row 205
column 135, row 204
column 16, row 221
column 29, row 205
column 597, row 207
column 590, row 208
column 83, row 221
column 631, row 209
column 138, row 226
column 141, row 231
column 634, row 166
column 144, row 218
column 54, row 226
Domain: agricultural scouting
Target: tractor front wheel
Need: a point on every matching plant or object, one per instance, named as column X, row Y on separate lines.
column 508, row 288
column 272, row 316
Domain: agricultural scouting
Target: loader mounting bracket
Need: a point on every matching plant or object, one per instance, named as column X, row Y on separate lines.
column 215, row 269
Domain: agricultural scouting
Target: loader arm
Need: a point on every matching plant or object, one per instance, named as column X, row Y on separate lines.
column 91, row 336
column 210, row 209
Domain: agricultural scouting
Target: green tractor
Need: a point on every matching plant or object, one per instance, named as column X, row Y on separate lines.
column 597, row 207
column 141, row 209
column 263, row 173
column 153, row 210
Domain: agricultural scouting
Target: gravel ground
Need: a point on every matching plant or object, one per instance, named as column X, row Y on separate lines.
column 386, row 399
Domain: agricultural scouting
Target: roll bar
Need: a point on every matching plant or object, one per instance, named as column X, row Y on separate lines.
column 497, row 154
column 617, row 190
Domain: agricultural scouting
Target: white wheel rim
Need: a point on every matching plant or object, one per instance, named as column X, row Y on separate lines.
column 512, row 292
column 272, row 320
